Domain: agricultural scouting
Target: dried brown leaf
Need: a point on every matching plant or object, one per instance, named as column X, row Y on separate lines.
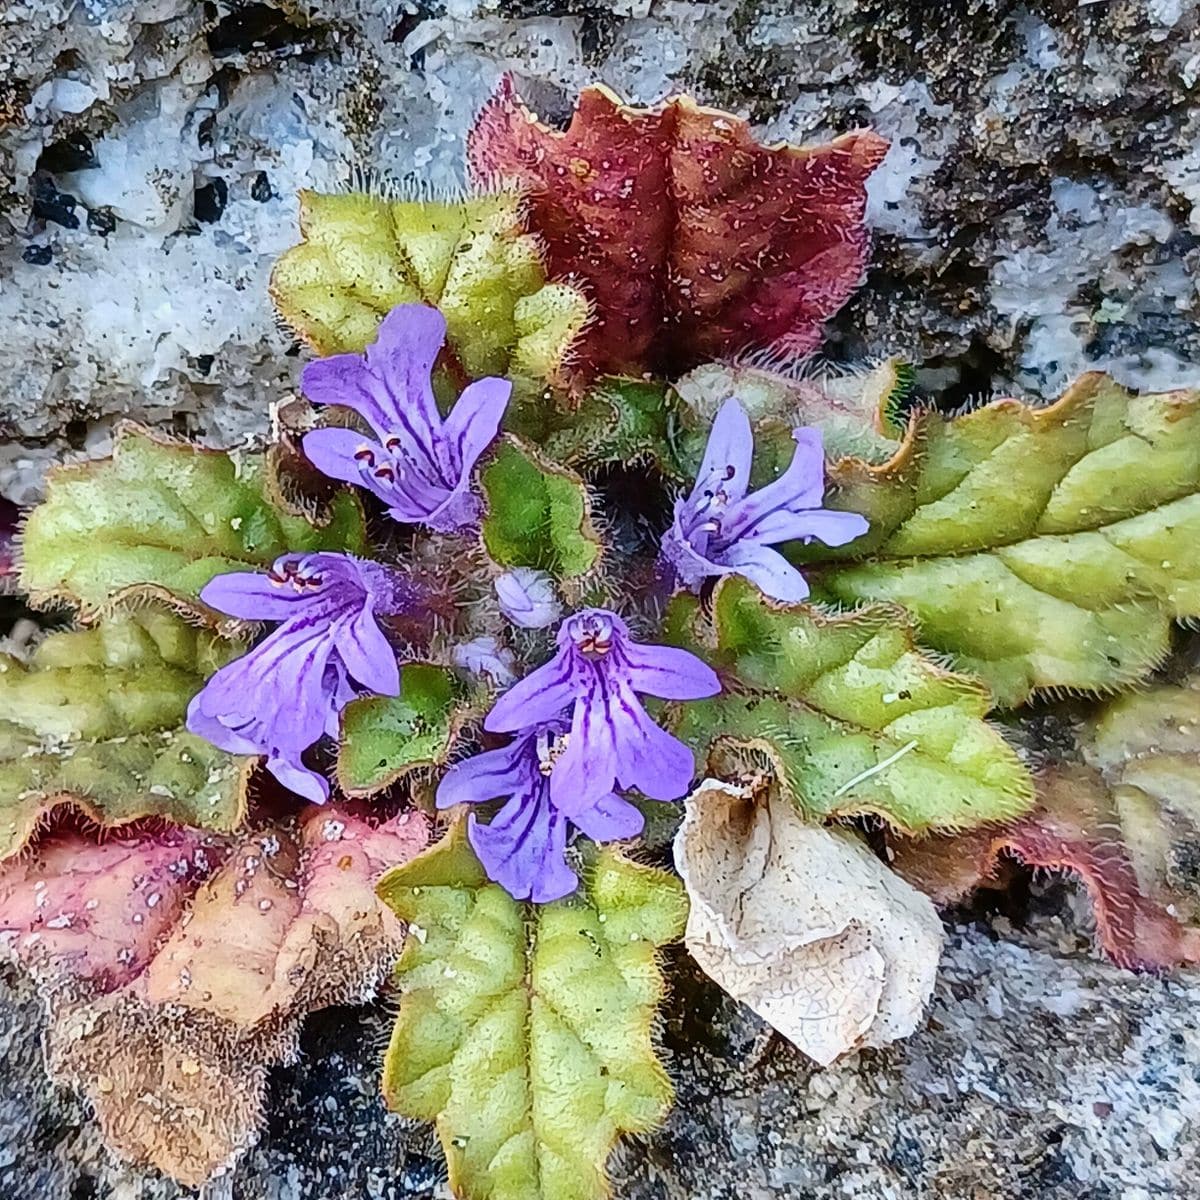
column 803, row 924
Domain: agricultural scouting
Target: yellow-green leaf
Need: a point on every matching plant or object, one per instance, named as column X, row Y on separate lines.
column 162, row 518
column 386, row 737
column 538, row 514
column 524, row 1031
column 1147, row 745
column 847, row 712
column 1045, row 549
column 94, row 720
column 362, row 255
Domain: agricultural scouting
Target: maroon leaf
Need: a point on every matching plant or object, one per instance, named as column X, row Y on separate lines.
column 8, row 544
column 1075, row 828
column 692, row 240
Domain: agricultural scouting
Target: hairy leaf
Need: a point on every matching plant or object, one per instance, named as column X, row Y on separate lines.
column 847, row 713
column 168, row 1004
column 89, row 913
column 1126, row 820
column 1077, row 828
column 626, row 421
column 804, row 924
column 386, row 737
column 162, row 518
column 8, row 544
column 1045, row 549
column 363, row 255
column 538, row 514
column 692, row 240
column 1147, row 745
column 524, row 1031
column 93, row 722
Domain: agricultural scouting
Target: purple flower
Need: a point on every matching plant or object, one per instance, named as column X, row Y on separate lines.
column 419, row 466
column 527, row 597
column 523, row 847
column 599, row 673
column 720, row 530
column 280, row 697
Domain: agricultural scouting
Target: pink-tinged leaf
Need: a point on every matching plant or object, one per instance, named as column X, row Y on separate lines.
column 170, row 994
column 86, row 912
column 8, row 545
column 1076, row 828
column 692, row 240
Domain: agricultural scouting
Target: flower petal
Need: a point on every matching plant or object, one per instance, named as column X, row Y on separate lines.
column 730, row 444
column 587, row 769
column 689, row 566
column 650, row 759
column 252, row 596
column 368, row 655
column 474, row 421
column 409, row 496
column 485, row 656
column 768, row 570
column 402, row 355
column 458, row 509
column 667, row 672
column 523, row 849
column 212, row 730
column 541, row 696
column 275, row 696
column 801, row 486
column 488, row 776
column 333, row 451
column 826, row 525
column 296, row 777
column 610, row 819
column 527, row 597
column 345, row 380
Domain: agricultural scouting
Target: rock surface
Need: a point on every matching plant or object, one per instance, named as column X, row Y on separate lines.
column 1037, row 216
column 1041, row 1073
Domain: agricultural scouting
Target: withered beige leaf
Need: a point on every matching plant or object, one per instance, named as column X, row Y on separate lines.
column 168, row 1015
column 803, row 924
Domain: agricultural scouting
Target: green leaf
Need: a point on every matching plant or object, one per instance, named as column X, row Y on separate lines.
column 386, row 737
column 624, row 421
column 362, row 255
column 538, row 514
column 1045, row 549
column 94, row 720
column 524, row 1031
column 849, row 715
column 162, row 518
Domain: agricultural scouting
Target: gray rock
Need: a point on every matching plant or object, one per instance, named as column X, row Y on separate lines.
column 1036, row 216
column 1041, row 1073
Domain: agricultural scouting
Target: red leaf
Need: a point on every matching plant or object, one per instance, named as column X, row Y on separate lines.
column 692, row 240
column 178, row 967
column 1075, row 828
column 8, row 543
column 82, row 911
